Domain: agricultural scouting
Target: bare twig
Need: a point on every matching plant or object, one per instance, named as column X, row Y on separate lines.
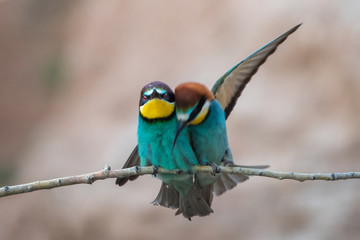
column 105, row 173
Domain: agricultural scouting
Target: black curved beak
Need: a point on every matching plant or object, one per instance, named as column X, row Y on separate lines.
column 154, row 94
column 180, row 126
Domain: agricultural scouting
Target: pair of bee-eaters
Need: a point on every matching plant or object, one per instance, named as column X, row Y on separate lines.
column 187, row 128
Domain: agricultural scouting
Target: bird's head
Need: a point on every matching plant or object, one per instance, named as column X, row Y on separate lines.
column 157, row 101
column 192, row 102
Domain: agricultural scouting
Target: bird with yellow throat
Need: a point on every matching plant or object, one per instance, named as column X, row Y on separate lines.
column 156, row 134
column 199, row 135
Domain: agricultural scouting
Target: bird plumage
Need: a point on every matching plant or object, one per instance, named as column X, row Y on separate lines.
column 226, row 91
column 156, row 133
column 207, row 129
column 230, row 86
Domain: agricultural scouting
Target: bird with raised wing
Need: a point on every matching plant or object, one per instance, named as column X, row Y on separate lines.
column 199, row 121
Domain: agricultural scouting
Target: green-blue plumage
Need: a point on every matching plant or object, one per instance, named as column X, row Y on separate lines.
column 155, row 148
column 204, row 118
column 155, row 140
column 209, row 138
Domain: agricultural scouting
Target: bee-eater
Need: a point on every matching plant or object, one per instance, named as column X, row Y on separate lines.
column 201, row 114
column 204, row 113
column 156, row 134
column 224, row 93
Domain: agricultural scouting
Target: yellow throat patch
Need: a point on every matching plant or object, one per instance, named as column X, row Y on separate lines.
column 157, row 108
column 200, row 118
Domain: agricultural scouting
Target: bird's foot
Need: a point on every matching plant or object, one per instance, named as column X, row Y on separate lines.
column 155, row 170
column 216, row 169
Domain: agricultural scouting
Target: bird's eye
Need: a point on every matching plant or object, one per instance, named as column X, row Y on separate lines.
column 166, row 96
column 144, row 97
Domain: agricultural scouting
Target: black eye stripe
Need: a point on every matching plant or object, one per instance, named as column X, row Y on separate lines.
column 197, row 109
column 169, row 97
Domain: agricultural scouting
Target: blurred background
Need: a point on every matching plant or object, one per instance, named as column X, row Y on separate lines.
column 70, row 77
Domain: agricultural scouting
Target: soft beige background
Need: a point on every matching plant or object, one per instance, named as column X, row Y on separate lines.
column 70, row 76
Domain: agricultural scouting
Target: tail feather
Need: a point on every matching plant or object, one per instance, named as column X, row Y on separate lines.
column 193, row 204
column 167, row 197
column 219, row 187
column 250, row 166
column 238, row 177
column 227, row 181
column 207, row 194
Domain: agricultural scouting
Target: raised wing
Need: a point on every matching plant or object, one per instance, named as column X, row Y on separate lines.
column 230, row 86
column 227, row 89
column 132, row 161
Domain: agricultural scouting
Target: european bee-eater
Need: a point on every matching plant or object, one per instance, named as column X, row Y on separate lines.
column 204, row 116
column 201, row 114
column 225, row 93
column 156, row 134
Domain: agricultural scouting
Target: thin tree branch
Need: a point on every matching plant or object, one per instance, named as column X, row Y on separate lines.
column 106, row 172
